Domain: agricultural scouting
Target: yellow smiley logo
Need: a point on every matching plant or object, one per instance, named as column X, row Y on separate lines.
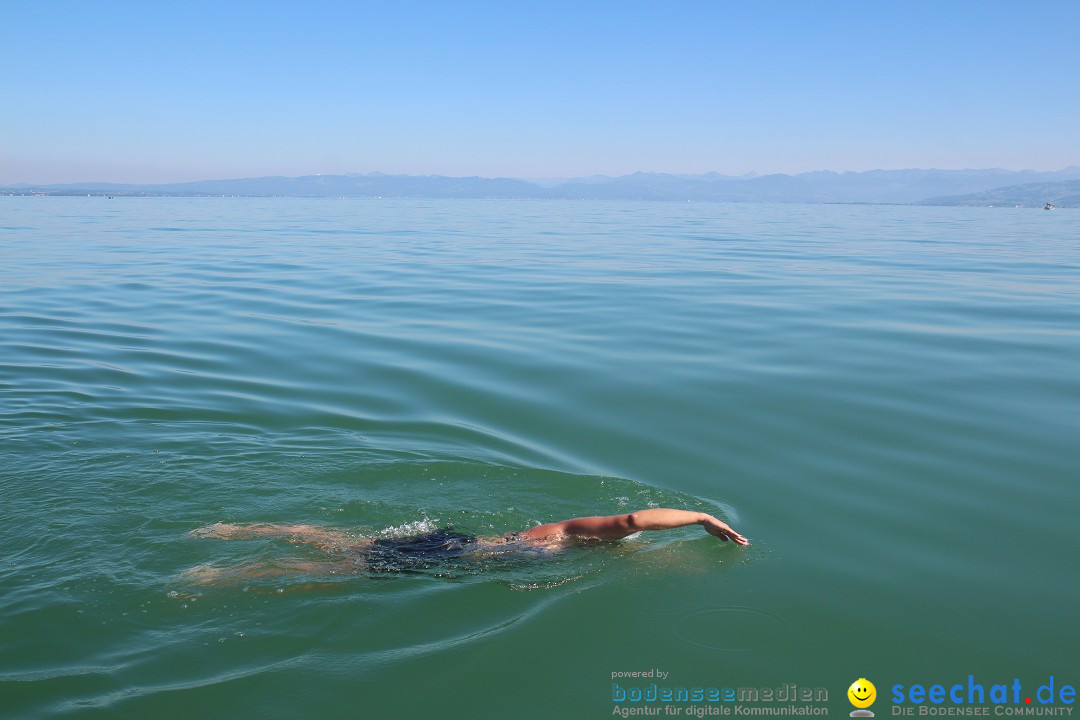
column 862, row 693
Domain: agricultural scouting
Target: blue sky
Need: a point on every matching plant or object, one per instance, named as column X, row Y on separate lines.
column 162, row 92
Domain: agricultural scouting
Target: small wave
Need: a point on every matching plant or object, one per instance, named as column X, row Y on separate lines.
column 416, row 527
column 731, row 628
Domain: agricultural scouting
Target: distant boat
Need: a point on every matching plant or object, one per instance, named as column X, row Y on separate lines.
column 1049, row 206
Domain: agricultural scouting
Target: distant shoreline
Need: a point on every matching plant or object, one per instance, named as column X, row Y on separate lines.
column 876, row 187
column 206, row 196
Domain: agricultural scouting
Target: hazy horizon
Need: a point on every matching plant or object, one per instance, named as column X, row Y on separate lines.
column 541, row 180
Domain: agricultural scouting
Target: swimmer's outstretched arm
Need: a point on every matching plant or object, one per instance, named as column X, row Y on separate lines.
column 616, row 527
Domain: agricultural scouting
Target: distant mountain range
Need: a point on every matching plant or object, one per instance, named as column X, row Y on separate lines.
column 939, row 187
column 1062, row 194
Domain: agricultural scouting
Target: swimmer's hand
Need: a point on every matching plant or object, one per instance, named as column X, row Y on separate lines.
column 722, row 530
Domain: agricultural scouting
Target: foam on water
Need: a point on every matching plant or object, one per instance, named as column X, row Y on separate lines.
column 416, row 527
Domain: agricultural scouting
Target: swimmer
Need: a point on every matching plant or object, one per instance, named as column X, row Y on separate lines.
column 351, row 554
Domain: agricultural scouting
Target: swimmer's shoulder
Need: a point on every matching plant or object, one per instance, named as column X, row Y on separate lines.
column 506, row 539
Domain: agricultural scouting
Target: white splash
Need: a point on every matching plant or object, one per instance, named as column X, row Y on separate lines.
column 417, row 527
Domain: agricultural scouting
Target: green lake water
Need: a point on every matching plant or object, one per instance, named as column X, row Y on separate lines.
column 886, row 400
